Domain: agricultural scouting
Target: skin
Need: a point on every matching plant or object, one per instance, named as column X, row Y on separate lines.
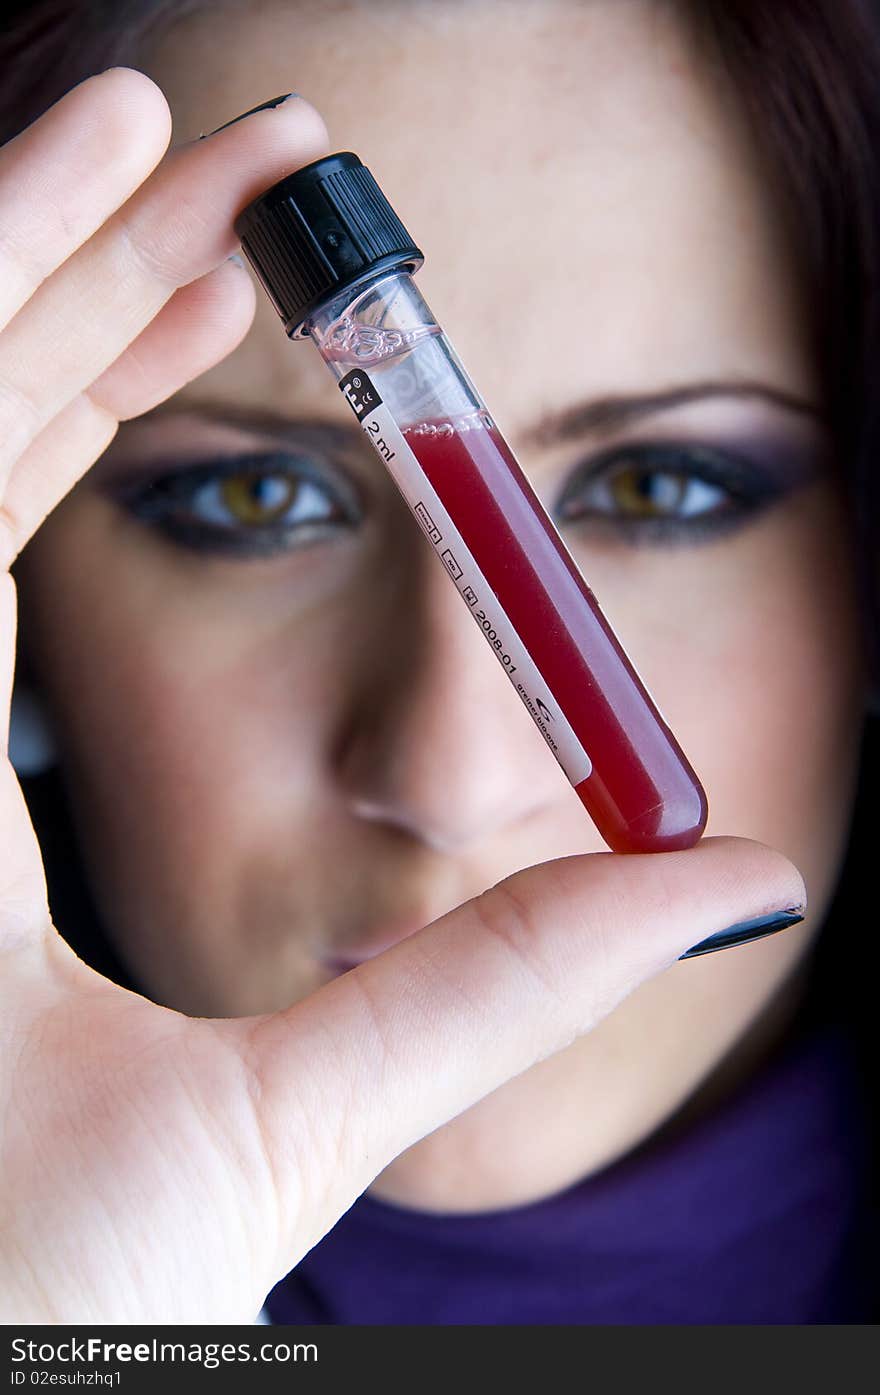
column 267, row 770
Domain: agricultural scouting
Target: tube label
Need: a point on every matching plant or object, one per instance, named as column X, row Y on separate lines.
column 390, row 444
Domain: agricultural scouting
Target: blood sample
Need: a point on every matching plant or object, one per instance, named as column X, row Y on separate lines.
column 338, row 266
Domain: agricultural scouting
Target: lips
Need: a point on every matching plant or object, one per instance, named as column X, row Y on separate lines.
column 369, row 949
column 340, row 966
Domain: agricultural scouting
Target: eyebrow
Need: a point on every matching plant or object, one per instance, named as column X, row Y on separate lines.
column 605, row 413
column 265, row 419
column 614, row 411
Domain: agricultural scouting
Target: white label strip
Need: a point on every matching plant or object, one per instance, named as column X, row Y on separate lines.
column 424, row 501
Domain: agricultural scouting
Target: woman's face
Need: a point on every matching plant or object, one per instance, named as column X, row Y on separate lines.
column 286, row 743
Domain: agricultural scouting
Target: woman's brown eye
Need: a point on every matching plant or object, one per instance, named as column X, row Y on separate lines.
column 635, row 491
column 667, row 492
column 648, row 492
column 259, row 499
column 248, row 506
column 256, row 498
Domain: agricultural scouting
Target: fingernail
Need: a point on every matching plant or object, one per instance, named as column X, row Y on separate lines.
column 236, row 259
column 264, row 106
column 746, row 930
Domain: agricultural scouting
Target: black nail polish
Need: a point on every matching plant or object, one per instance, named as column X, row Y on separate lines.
column 264, row 106
column 746, row 930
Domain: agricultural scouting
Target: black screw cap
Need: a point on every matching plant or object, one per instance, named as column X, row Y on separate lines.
column 323, row 229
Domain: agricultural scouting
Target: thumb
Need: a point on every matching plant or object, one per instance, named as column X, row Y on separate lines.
column 388, row 1052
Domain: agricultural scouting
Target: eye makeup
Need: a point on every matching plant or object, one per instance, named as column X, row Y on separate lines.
column 246, row 505
column 682, row 484
column 307, row 480
column 702, row 488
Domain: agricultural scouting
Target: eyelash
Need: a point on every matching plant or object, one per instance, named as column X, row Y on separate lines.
column 166, row 501
column 747, row 487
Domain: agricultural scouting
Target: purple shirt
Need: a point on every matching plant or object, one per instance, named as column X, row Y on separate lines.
column 756, row 1212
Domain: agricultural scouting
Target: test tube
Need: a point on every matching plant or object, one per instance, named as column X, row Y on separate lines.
column 338, row 266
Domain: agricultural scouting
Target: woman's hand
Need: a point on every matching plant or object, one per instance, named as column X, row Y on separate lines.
column 155, row 1167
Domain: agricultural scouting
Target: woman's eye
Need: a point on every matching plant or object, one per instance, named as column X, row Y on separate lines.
column 657, row 494
column 255, row 499
column 247, row 506
column 666, row 492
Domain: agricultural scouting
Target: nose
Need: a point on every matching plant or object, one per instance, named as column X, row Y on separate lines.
column 435, row 741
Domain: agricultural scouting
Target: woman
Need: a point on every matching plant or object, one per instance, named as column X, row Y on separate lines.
column 289, row 762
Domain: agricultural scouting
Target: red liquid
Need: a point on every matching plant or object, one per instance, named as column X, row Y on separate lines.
column 642, row 794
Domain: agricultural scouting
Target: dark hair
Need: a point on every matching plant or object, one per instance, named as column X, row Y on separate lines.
column 808, row 72
column 48, row 46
